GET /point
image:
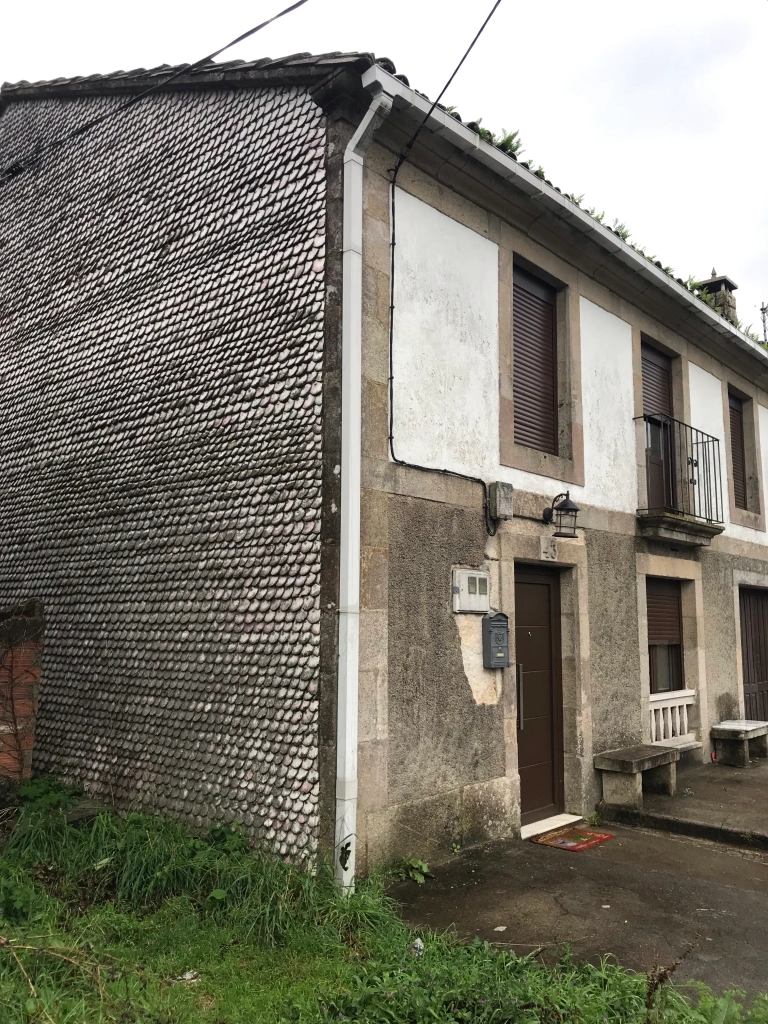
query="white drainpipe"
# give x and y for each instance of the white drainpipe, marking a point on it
(351, 402)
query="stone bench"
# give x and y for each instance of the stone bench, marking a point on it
(626, 772)
(735, 740)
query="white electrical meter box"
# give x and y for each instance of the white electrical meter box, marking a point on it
(471, 591)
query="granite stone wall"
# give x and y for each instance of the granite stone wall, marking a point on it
(161, 347)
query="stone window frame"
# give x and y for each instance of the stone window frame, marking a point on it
(688, 574)
(568, 464)
(752, 517)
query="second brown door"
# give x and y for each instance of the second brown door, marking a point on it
(754, 652)
(539, 693)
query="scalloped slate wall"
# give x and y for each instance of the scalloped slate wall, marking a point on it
(161, 352)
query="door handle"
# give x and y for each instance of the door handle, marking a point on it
(520, 716)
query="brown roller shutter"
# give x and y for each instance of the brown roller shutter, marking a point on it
(535, 363)
(664, 614)
(657, 382)
(736, 409)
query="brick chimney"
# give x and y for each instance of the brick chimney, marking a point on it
(721, 289)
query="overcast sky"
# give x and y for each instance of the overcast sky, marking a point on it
(655, 111)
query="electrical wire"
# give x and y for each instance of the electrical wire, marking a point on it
(24, 162)
(405, 152)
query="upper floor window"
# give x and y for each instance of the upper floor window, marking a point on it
(738, 454)
(534, 354)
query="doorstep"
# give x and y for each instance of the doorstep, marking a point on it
(538, 828)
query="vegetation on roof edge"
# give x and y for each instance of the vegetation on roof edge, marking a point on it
(511, 144)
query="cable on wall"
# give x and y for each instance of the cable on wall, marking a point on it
(490, 525)
(30, 159)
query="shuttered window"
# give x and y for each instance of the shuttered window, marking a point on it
(534, 362)
(738, 460)
(657, 382)
(665, 634)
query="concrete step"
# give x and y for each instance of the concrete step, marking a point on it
(756, 840)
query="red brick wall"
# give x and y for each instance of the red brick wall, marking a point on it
(19, 695)
(21, 654)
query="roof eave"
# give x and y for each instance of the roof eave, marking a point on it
(409, 102)
(299, 69)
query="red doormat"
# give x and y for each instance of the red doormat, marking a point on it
(573, 839)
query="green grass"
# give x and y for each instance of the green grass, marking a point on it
(100, 923)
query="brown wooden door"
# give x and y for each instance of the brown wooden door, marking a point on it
(539, 693)
(754, 652)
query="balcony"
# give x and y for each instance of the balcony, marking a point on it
(684, 484)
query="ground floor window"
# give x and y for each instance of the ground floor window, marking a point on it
(665, 634)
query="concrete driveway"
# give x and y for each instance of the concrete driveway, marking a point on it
(640, 896)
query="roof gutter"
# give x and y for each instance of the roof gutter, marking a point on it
(351, 450)
(416, 107)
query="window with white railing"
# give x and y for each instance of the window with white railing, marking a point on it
(670, 715)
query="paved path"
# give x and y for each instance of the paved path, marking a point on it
(641, 895)
(720, 796)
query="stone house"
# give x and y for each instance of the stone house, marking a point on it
(270, 517)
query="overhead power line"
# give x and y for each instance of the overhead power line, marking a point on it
(405, 152)
(31, 158)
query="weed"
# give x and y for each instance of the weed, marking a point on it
(510, 142)
(46, 793)
(177, 928)
(410, 867)
(594, 819)
(452, 982)
(455, 847)
(138, 861)
(656, 978)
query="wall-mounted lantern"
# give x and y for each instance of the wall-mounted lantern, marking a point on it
(563, 513)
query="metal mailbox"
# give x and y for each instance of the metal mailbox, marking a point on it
(495, 640)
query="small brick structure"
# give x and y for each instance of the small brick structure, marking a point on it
(22, 628)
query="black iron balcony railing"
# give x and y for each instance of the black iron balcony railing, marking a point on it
(683, 470)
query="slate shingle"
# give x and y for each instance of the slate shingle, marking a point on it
(161, 343)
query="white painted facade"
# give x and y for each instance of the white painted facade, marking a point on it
(707, 414)
(608, 404)
(446, 395)
(446, 365)
(446, 372)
